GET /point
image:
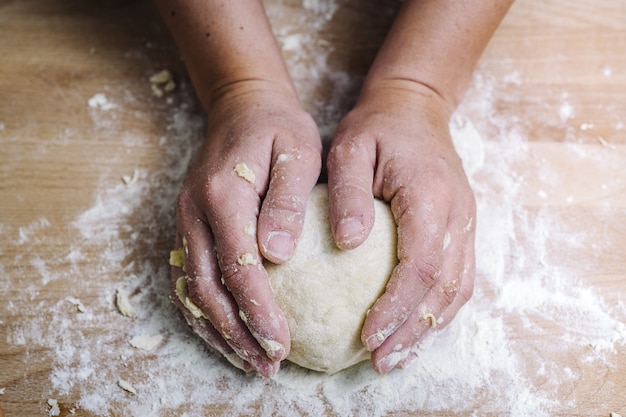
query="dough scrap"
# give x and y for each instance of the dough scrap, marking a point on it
(53, 409)
(246, 259)
(146, 342)
(162, 82)
(76, 302)
(183, 295)
(177, 258)
(123, 304)
(126, 386)
(326, 292)
(245, 172)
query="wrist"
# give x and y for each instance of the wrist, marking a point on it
(251, 99)
(234, 93)
(400, 96)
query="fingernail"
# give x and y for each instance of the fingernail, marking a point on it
(279, 246)
(264, 367)
(348, 230)
(390, 361)
(274, 350)
(374, 341)
(404, 363)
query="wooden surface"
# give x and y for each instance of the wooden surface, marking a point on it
(554, 75)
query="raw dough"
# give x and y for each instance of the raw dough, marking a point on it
(326, 292)
(126, 386)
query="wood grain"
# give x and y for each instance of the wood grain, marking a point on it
(552, 68)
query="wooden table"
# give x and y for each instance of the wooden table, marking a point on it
(91, 161)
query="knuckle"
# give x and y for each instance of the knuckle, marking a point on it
(401, 199)
(341, 149)
(427, 271)
(234, 277)
(449, 291)
(215, 188)
(311, 153)
(285, 208)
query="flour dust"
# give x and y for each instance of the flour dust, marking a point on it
(475, 365)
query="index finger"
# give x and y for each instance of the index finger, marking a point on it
(232, 206)
(421, 231)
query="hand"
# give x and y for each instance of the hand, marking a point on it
(250, 183)
(395, 145)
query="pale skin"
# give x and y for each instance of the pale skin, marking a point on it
(394, 144)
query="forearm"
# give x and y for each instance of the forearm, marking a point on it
(436, 44)
(224, 45)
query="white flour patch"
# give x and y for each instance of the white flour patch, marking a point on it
(101, 102)
(474, 366)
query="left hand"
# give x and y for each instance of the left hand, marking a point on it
(395, 145)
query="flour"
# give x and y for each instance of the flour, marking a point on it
(101, 102)
(474, 366)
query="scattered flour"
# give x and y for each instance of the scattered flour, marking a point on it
(54, 407)
(474, 367)
(101, 102)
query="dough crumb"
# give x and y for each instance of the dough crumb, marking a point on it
(244, 172)
(430, 317)
(177, 258)
(54, 407)
(250, 229)
(2, 391)
(615, 415)
(79, 306)
(122, 303)
(146, 342)
(271, 346)
(243, 316)
(246, 259)
(605, 143)
(161, 77)
(283, 157)
(162, 82)
(183, 296)
(126, 386)
(101, 102)
(129, 180)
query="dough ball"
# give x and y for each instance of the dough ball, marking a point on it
(325, 292)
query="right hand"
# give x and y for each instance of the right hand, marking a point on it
(227, 223)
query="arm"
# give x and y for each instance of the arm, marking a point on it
(225, 45)
(229, 219)
(395, 144)
(434, 45)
